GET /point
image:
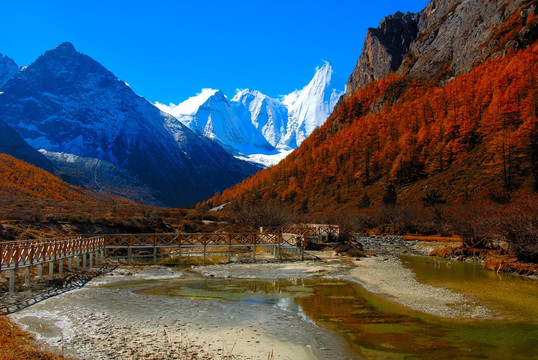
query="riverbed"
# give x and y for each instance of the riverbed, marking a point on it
(333, 308)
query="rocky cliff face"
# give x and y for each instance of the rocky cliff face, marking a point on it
(445, 39)
(384, 49)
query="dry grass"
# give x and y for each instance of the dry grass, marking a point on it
(16, 344)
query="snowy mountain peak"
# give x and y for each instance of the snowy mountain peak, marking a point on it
(324, 72)
(218, 96)
(253, 123)
(243, 93)
(309, 108)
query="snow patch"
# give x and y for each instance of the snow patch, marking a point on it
(189, 106)
(264, 159)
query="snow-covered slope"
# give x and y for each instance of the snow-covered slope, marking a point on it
(216, 118)
(310, 107)
(8, 68)
(269, 116)
(65, 102)
(256, 127)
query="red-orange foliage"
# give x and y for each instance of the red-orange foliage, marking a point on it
(21, 179)
(400, 131)
(15, 344)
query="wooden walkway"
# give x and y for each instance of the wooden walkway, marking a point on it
(90, 250)
(24, 254)
(131, 246)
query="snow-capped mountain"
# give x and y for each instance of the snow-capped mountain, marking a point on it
(269, 116)
(310, 107)
(66, 102)
(8, 68)
(256, 127)
(216, 118)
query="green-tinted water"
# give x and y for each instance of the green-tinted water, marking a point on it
(380, 329)
(511, 296)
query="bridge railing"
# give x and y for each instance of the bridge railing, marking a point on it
(197, 239)
(308, 230)
(15, 255)
(26, 253)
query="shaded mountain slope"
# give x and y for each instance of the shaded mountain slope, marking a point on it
(65, 102)
(8, 68)
(13, 144)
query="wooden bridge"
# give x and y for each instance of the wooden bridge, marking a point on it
(24, 254)
(89, 250)
(131, 246)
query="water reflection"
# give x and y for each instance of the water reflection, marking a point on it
(375, 327)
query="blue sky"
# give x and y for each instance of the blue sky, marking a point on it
(170, 50)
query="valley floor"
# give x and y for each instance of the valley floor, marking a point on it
(106, 320)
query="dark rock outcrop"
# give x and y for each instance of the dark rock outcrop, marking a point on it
(445, 39)
(8, 68)
(384, 49)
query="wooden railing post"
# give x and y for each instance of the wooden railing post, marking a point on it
(205, 247)
(229, 247)
(27, 277)
(12, 281)
(84, 260)
(303, 244)
(129, 249)
(280, 245)
(253, 241)
(179, 241)
(154, 249)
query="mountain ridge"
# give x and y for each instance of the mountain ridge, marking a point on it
(66, 102)
(255, 126)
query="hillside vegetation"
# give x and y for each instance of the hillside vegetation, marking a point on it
(20, 179)
(475, 137)
(37, 204)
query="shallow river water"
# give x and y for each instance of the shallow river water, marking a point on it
(335, 318)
